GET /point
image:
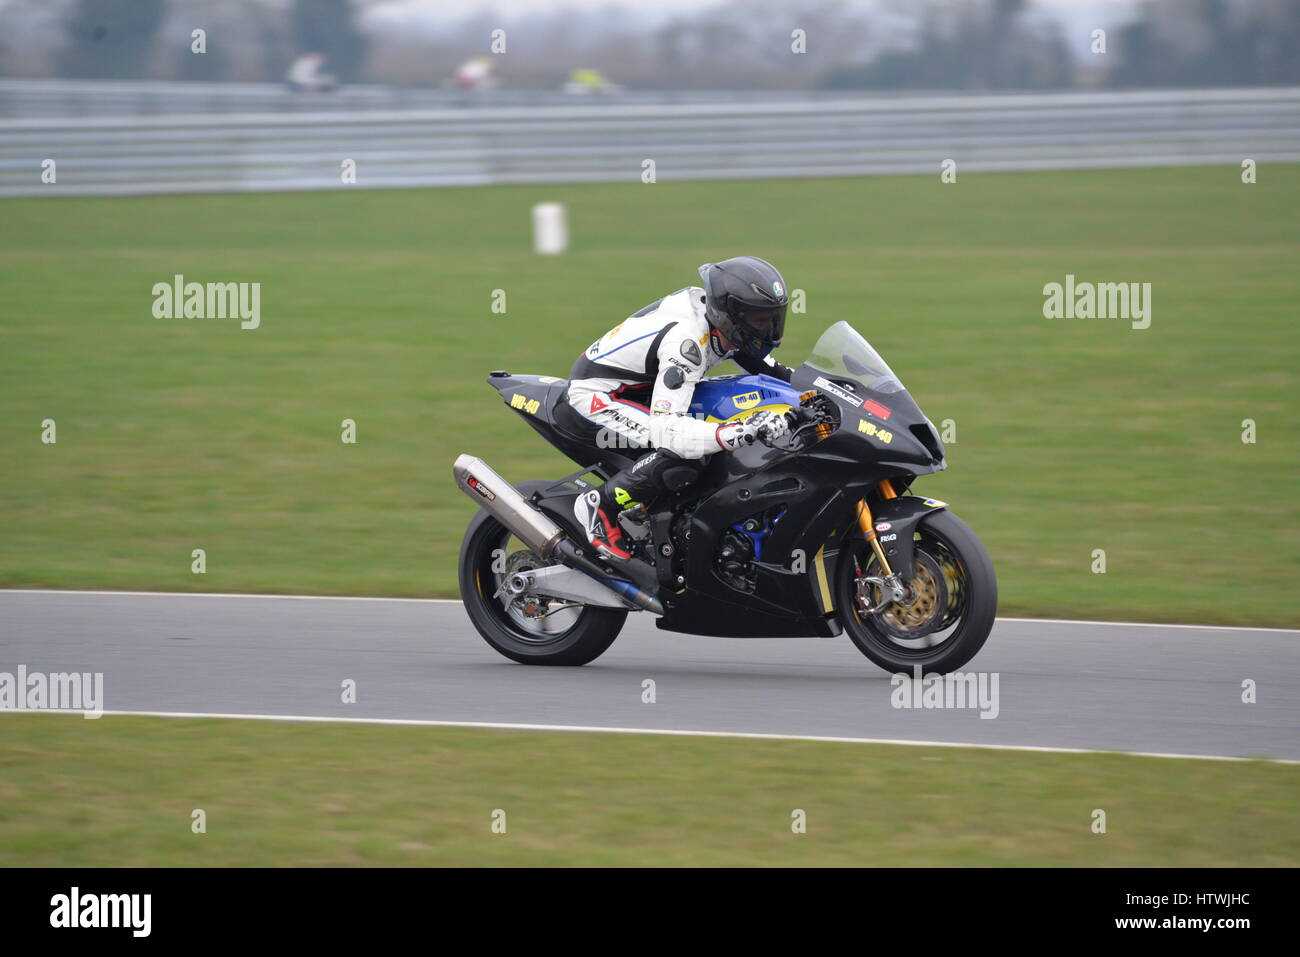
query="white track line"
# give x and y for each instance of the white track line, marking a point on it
(1149, 624)
(456, 601)
(747, 735)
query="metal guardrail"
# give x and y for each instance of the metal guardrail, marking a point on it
(776, 138)
(36, 99)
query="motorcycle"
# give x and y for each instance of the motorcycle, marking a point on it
(815, 534)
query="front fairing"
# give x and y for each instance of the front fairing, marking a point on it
(876, 412)
(887, 430)
(881, 428)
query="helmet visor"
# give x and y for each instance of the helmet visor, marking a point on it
(762, 325)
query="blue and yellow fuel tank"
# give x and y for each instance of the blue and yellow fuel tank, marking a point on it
(737, 396)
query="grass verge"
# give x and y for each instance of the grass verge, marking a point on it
(377, 306)
(121, 792)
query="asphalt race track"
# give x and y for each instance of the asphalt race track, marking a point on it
(1122, 687)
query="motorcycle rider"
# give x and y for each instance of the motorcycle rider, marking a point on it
(637, 380)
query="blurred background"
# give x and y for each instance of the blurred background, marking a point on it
(268, 94)
(921, 169)
(683, 45)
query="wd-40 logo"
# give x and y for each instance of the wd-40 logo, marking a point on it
(872, 429)
(747, 401)
(530, 406)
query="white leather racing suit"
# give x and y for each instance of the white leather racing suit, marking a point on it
(637, 380)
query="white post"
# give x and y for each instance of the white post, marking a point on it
(550, 228)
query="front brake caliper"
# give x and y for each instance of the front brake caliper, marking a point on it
(891, 588)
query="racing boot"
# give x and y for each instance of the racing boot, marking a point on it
(647, 478)
(597, 518)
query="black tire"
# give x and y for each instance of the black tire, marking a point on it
(970, 607)
(593, 631)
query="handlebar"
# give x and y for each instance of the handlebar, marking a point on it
(796, 417)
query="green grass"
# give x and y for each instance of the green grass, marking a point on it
(1072, 435)
(121, 792)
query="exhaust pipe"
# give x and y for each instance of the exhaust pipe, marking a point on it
(507, 506)
(535, 529)
(566, 552)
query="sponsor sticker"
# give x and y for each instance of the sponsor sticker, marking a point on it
(479, 487)
(691, 352)
(878, 410)
(616, 416)
(596, 404)
(747, 401)
(872, 429)
(663, 405)
(883, 526)
(827, 385)
(524, 403)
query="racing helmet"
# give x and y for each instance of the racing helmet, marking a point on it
(745, 299)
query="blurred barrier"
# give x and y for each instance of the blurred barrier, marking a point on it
(584, 143)
(54, 98)
(37, 99)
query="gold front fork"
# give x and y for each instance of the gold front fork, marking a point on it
(868, 524)
(868, 527)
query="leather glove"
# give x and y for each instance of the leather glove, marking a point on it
(764, 425)
(770, 425)
(732, 435)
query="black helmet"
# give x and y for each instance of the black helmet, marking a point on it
(745, 300)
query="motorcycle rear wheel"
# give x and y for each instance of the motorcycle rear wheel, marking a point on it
(579, 633)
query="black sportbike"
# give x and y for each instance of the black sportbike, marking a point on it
(812, 535)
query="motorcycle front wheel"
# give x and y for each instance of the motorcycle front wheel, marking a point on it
(952, 600)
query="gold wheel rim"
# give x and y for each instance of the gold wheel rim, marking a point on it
(920, 610)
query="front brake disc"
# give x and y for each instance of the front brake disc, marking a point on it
(926, 609)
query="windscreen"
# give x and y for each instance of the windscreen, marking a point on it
(843, 354)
